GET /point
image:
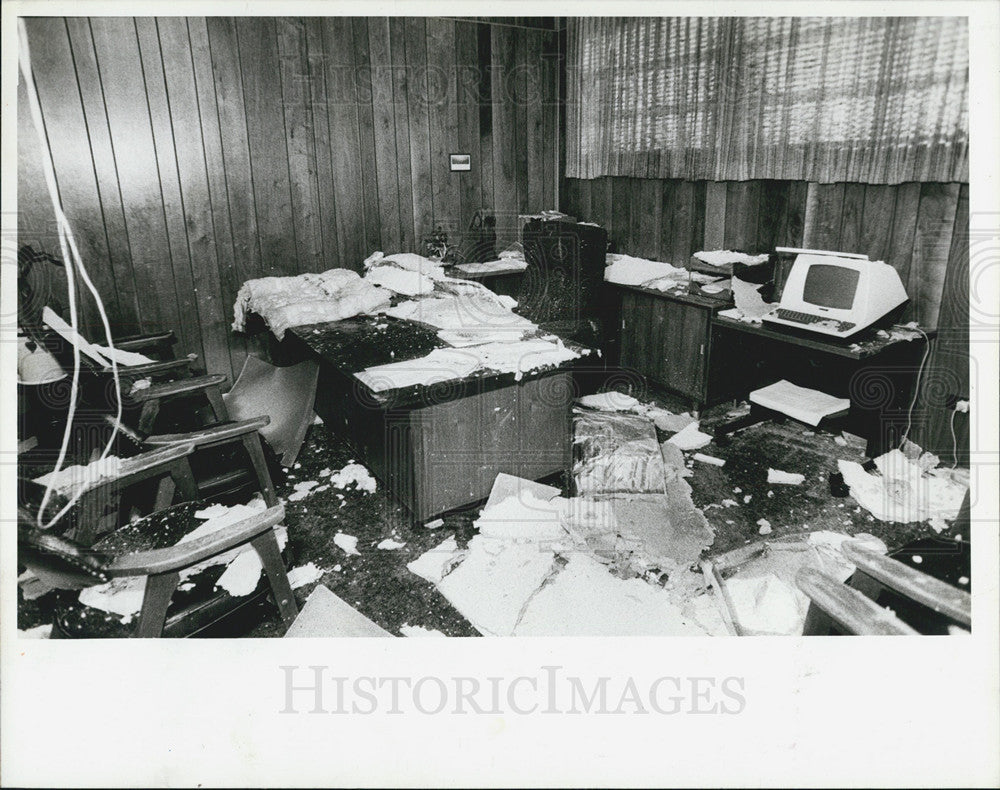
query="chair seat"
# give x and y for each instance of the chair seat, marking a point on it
(195, 605)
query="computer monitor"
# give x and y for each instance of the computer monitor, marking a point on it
(837, 294)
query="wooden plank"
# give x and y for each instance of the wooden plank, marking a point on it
(851, 222)
(342, 117)
(791, 225)
(504, 122)
(470, 184)
(259, 68)
(384, 129)
(518, 88)
(322, 143)
(300, 145)
(675, 222)
(600, 201)
(400, 119)
(195, 195)
(215, 169)
(715, 215)
(126, 311)
(647, 217)
(188, 328)
(549, 106)
(233, 183)
(935, 225)
(538, 197)
(484, 48)
(69, 147)
(116, 48)
(420, 136)
(742, 211)
(876, 222)
(773, 208)
(824, 210)
(366, 133)
(442, 94)
(621, 215)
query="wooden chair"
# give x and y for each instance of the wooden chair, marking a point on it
(859, 608)
(148, 548)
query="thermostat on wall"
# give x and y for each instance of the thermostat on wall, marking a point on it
(460, 161)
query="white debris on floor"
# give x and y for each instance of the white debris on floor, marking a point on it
(765, 526)
(608, 401)
(302, 490)
(304, 574)
(584, 599)
(434, 564)
(355, 474)
(690, 438)
(709, 459)
(38, 632)
(767, 605)
(907, 491)
(347, 543)
(390, 545)
(419, 631)
(778, 477)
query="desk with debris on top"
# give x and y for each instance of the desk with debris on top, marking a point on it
(439, 446)
(877, 372)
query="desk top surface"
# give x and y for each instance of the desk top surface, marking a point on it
(869, 343)
(356, 344)
(678, 294)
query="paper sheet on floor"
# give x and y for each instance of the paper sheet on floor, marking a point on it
(584, 599)
(616, 453)
(690, 438)
(801, 403)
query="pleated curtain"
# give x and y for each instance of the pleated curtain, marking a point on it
(876, 100)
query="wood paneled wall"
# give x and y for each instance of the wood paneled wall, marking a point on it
(194, 154)
(920, 229)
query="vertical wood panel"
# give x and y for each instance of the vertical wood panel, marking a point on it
(386, 175)
(935, 224)
(504, 120)
(366, 131)
(715, 215)
(852, 218)
(443, 92)
(875, 237)
(823, 215)
(420, 136)
(467, 70)
(296, 103)
(346, 153)
(742, 211)
(199, 232)
(215, 169)
(534, 170)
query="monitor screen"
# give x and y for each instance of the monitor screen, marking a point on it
(831, 286)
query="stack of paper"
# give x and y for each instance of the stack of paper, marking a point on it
(800, 403)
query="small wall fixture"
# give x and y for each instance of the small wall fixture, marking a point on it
(460, 161)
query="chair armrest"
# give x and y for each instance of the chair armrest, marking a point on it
(911, 583)
(171, 389)
(176, 558)
(849, 608)
(132, 372)
(149, 463)
(139, 342)
(211, 435)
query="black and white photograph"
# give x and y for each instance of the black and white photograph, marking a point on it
(640, 357)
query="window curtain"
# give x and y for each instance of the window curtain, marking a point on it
(865, 99)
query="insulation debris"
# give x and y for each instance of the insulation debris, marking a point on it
(390, 545)
(302, 490)
(347, 543)
(690, 438)
(668, 421)
(584, 599)
(765, 526)
(355, 474)
(304, 574)
(38, 632)
(767, 605)
(400, 281)
(903, 492)
(778, 477)
(419, 631)
(434, 524)
(609, 401)
(748, 301)
(709, 459)
(434, 564)
(71, 479)
(616, 453)
(628, 270)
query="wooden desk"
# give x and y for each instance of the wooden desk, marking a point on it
(438, 447)
(878, 374)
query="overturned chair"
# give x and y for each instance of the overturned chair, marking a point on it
(174, 578)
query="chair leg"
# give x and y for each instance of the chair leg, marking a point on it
(148, 415)
(159, 590)
(270, 557)
(218, 405)
(164, 493)
(184, 480)
(252, 444)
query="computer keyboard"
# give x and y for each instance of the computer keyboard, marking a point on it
(808, 318)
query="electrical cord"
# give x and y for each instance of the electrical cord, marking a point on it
(73, 265)
(916, 388)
